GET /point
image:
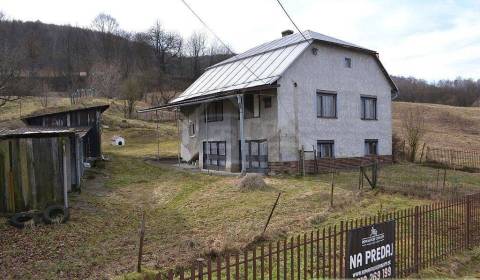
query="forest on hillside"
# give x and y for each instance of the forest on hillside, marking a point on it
(38, 59)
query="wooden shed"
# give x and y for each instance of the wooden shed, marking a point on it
(37, 167)
(78, 116)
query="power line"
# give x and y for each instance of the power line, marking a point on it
(206, 26)
(291, 20)
(217, 37)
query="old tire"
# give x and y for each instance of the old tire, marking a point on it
(20, 220)
(56, 214)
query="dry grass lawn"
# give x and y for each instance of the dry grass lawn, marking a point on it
(188, 214)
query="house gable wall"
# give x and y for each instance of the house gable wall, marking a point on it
(297, 118)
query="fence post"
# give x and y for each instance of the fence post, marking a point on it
(416, 241)
(468, 219)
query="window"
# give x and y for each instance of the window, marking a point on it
(214, 155)
(369, 108)
(371, 147)
(325, 149)
(267, 102)
(348, 62)
(215, 111)
(191, 128)
(252, 106)
(326, 105)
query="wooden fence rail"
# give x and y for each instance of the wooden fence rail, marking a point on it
(424, 235)
(453, 158)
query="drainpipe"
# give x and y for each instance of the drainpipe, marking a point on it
(242, 136)
(206, 134)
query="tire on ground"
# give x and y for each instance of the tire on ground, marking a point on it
(55, 214)
(20, 220)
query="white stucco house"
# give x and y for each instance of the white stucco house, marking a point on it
(310, 92)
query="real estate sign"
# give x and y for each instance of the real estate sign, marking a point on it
(371, 252)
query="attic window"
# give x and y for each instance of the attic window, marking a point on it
(348, 62)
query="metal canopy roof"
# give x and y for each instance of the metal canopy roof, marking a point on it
(258, 67)
(30, 131)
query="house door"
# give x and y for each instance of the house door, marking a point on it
(214, 155)
(256, 155)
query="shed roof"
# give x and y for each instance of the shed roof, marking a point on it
(260, 66)
(30, 131)
(65, 109)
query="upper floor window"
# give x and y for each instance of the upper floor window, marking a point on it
(369, 108)
(267, 102)
(326, 105)
(325, 148)
(371, 147)
(191, 128)
(215, 111)
(252, 106)
(348, 62)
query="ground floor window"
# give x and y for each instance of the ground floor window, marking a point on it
(371, 147)
(256, 152)
(214, 155)
(325, 149)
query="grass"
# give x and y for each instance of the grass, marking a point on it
(463, 265)
(187, 214)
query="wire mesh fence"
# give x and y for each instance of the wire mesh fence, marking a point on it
(453, 158)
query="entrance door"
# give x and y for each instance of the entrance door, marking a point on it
(256, 155)
(214, 155)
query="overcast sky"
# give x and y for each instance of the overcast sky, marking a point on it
(427, 39)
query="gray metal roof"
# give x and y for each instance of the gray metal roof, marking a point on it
(262, 68)
(31, 131)
(259, 66)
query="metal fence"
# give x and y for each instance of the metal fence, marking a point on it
(424, 235)
(453, 158)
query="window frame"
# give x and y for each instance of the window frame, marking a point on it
(191, 124)
(363, 103)
(348, 62)
(369, 142)
(320, 113)
(267, 102)
(329, 142)
(218, 115)
(250, 114)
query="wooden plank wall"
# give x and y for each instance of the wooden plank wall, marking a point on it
(37, 173)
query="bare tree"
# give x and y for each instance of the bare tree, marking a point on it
(2, 16)
(164, 43)
(9, 74)
(108, 28)
(105, 79)
(105, 23)
(413, 125)
(132, 91)
(196, 46)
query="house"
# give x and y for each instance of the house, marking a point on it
(302, 91)
(78, 116)
(37, 167)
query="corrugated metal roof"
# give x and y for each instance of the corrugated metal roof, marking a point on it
(254, 70)
(37, 131)
(259, 66)
(290, 40)
(65, 109)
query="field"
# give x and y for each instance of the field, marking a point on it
(195, 214)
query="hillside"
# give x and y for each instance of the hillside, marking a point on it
(447, 126)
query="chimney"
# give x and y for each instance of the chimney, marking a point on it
(287, 32)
